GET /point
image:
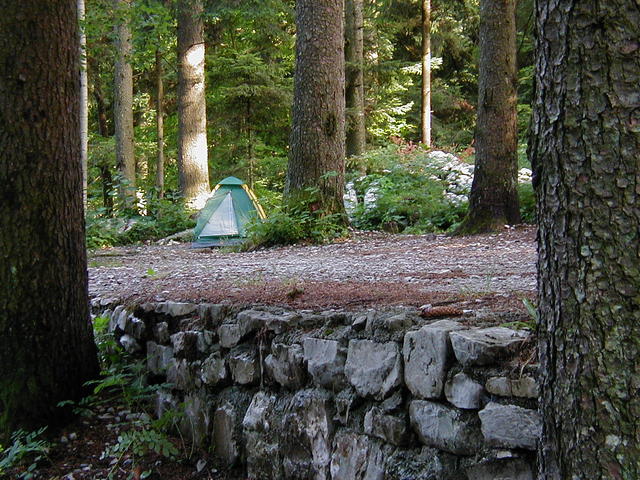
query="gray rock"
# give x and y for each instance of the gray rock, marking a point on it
(427, 357)
(212, 314)
(345, 402)
(251, 320)
(307, 435)
(230, 335)
(226, 446)
(177, 309)
(165, 402)
(285, 365)
(115, 317)
(390, 428)
(507, 469)
(421, 464)
(161, 332)
(486, 346)
(244, 365)
(158, 358)
(183, 375)
(401, 321)
(523, 387)
(510, 426)
(325, 362)
(185, 345)
(260, 430)
(445, 428)
(136, 328)
(356, 457)
(394, 402)
(195, 423)
(130, 344)
(464, 392)
(374, 369)
(214, 369)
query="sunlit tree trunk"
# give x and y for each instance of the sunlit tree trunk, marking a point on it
(354, 77)
(192, 142)
(46, 343)
(585, 151)
(123, 108)
(318, 135)
(493, 201)
(159, 126)
(84, 103)
(425, 109)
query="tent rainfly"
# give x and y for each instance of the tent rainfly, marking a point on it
(224, 218)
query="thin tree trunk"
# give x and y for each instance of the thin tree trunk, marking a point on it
(123, 108)
(585, 150)
(103, 130)
(84, 103)
(425, 110)
(159, 125)
(493, 201)
(192, 142)
(46, 343)
(354, 77)
(318, 135)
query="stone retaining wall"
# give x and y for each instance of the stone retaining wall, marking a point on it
(279, 394)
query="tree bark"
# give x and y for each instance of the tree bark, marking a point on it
(159, 126)
(354, 77)
(318, 135)
(84, 103)
(123, 107)
(46, 344)
(103, 130)
(584, 149)
(425, 110)
(192, 117)
(493, 201)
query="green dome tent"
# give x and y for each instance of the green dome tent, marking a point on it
(224, 218)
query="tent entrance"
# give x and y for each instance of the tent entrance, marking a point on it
(223, 221)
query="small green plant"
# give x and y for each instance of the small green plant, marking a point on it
(25, 450)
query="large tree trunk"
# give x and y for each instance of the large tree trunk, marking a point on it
(585, 150)
(159, 126)
(46, 345)
(123, 108)
(84, 103)
(354, 77)
(425, 107)
(318, 134)
(192, 116)
(103, 130)
(493, 201)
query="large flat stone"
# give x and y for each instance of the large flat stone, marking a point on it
(244, 365)
(374, 369)
(523, 387)
(427, 358)
(214, 369)
(356, 457)
(445, 428)
(158, 358)
(390, 428)
(285, 365)
(510, 426)
(486, 346)
(464, 392)
(325, 362)
(226, 445)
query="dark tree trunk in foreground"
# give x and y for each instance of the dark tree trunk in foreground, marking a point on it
(46, 344)
(425, 108)
(123, 108)
(318, 136)
(585, 151)
(493, 201)
(354, 77)
(192, 116)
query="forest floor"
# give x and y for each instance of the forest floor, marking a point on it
(490, 273)
(366, 270)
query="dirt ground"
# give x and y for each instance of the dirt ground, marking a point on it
(369, 269)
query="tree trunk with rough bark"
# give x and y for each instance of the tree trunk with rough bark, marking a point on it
(159, 126)
(354, 77)
(123, 107)
(585, 151)
(425, 109)
(84, 102)
(318, 136)
(493, 201)
(46, 342)
(192, 117)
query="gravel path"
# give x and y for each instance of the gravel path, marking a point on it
(370, 268)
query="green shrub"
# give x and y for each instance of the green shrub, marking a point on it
(527, 203)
